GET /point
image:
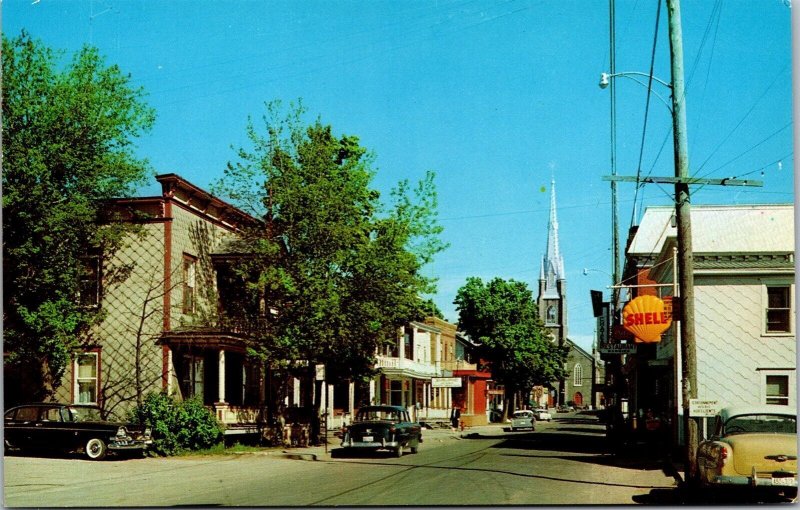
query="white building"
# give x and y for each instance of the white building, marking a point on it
(744, 306)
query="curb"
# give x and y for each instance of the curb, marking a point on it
(300, 456)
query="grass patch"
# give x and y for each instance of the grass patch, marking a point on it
(221, 449)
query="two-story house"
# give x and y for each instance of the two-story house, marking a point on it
(161, 326)
(744, 308)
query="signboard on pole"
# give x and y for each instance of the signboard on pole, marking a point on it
(703, 408)
(445, 382)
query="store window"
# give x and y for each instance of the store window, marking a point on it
(86, 377)
(778, 311)
(396, 393)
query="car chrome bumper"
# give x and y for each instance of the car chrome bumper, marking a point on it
(129, 445)
(788, 481)
(370, 444)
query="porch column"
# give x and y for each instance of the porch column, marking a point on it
(170, 372)
(351, 396)
(221, 381)
(372, 391)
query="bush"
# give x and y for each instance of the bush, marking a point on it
(177, 425)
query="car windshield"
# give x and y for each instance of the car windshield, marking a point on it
(82, 413)
(761, 423)
(378, 414)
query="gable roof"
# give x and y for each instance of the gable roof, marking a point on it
(720, 229)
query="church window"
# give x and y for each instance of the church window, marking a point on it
(551, 314)
(578, 375)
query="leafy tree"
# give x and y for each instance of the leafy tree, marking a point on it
(339, 270)
(67, 133)
(502, 317)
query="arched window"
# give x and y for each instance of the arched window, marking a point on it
(551, 314)
(577, 375)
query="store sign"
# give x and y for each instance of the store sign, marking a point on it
(646, 317)
(445, 382)
(617, 349)
(703, 408)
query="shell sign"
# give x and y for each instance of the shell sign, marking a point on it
(646, 317)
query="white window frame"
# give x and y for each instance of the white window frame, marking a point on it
(577, 375)
(77, 379)
(765, 284)
(791, 376)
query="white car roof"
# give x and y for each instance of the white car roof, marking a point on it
(728, 412)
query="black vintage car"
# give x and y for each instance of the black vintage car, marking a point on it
(70, 428)
(383, 427)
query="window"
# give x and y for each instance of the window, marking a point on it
(189, 281)
(551, 314)
(396, 393)
(577, 375)
(86, 372)
(89, 284)
(778, 309)
(193, 376)
(408, 345)
(778, 389)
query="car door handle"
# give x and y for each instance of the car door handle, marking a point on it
(38, 424)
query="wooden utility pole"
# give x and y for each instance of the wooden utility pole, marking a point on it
(684, 223)
(682, 181)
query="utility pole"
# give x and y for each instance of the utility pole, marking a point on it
(615, 280)
(682, 181)
(684, 224)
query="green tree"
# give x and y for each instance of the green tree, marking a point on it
(502, 317)
(339, 269)
(67, 131)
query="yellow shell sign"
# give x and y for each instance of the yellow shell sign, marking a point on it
(646, 317)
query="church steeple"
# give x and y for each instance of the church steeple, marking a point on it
(552, 263)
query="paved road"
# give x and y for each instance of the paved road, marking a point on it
(562, 462)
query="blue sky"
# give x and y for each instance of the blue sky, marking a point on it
(495, 97)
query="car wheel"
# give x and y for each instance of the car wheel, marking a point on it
(398, 452)
(96, 449)
(414, 449)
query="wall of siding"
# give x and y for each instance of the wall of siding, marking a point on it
(732, 351)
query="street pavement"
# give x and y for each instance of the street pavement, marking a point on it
(564, 462)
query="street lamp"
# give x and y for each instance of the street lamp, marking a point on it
(605, 81)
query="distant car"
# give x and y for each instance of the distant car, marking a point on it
(542, 414)
(67, 427)
(383, 428)
(753, 446)
(523, 420)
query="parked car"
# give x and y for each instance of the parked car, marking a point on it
(753, 446)
(542, 414)
(66, 427)
(383, 428)
(523, 419)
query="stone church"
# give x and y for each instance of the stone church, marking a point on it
(577, 389)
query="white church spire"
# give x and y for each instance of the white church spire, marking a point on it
(552, 263)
